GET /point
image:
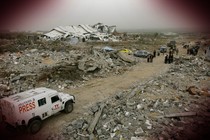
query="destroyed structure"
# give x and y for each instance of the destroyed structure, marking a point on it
(98, 31)
(162, 107)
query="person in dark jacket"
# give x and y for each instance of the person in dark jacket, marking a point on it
(148, 58)
(151, 58)
(188, 51)
(166, 59)
(158, 53)
(154, 53)
(172, 58)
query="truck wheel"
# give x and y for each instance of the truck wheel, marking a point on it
(34, 126)
(69, 107)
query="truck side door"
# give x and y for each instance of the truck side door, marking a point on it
(43, 110)
(55, 104)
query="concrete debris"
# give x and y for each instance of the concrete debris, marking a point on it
(63, 69)
(149, 125)
(152, 114)
(4, 87)
(88, 65)
(73, 41)
(138, 138)
(5, 90)
(95, 108)
(22, 76)
(95, 121)
(193, 90)
(139, 132)
(145, 111)
(126, 57)
(139, 106)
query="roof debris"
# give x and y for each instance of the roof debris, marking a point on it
(83, 32)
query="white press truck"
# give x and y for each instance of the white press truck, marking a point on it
(30, 107)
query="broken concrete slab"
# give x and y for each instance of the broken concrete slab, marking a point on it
(126, 57)
(88, 65)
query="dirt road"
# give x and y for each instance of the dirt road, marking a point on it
(99, 89)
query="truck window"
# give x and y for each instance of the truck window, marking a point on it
(54, 98)
(42, 101)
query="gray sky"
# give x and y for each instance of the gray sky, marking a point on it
(128, 14)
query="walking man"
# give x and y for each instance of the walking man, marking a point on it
(151, 58)
(154, 53)
(148, 58)
(166, 59)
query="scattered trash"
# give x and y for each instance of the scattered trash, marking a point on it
(108, 49)
(126, 51)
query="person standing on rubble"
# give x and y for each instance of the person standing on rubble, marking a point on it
(169, 58)
(158, 53)
(170, 52)
(148, 58)
(154, 53)
(166, 59)
(151, 58)
(188, 51)
(172, 58)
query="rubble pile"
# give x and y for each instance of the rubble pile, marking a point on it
(56, 69)
(160, 108)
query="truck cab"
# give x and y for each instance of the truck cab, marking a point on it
(30, 107)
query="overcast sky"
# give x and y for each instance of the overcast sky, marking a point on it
(125, 14)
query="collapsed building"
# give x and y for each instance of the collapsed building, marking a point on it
(98, 31)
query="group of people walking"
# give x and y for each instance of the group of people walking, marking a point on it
(150, 56)
(169, 58)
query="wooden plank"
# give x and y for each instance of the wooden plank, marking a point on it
(95, 120)
(184, 114)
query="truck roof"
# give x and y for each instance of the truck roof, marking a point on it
(29, 93)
